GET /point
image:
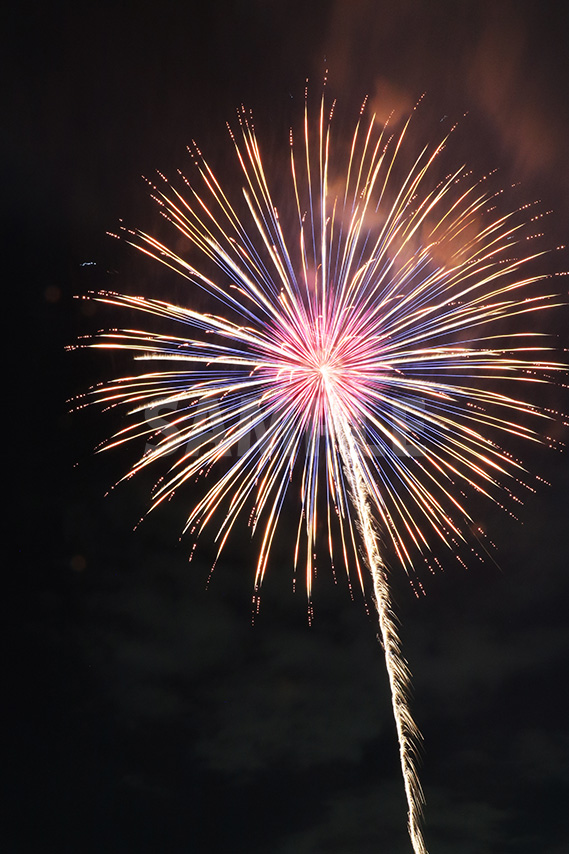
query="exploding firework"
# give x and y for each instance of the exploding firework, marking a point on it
(365, 352)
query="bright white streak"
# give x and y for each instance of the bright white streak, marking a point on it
(408, 734)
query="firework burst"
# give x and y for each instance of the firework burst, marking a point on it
(363, 353)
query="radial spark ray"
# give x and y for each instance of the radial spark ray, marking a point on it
(368, 350)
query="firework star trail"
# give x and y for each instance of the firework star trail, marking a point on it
(397, 670)
(370, 351)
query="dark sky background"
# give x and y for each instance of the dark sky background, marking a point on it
(150, 716)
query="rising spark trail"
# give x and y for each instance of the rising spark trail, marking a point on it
(398, 673)
(374, 346)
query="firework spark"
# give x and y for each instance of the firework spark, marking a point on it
(365, 350)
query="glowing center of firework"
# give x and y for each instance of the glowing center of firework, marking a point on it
(325, 372)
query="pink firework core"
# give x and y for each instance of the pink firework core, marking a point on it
(328, 367)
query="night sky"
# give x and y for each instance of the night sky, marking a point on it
(149, 714)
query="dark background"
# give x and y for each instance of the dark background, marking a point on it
(150, 715)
